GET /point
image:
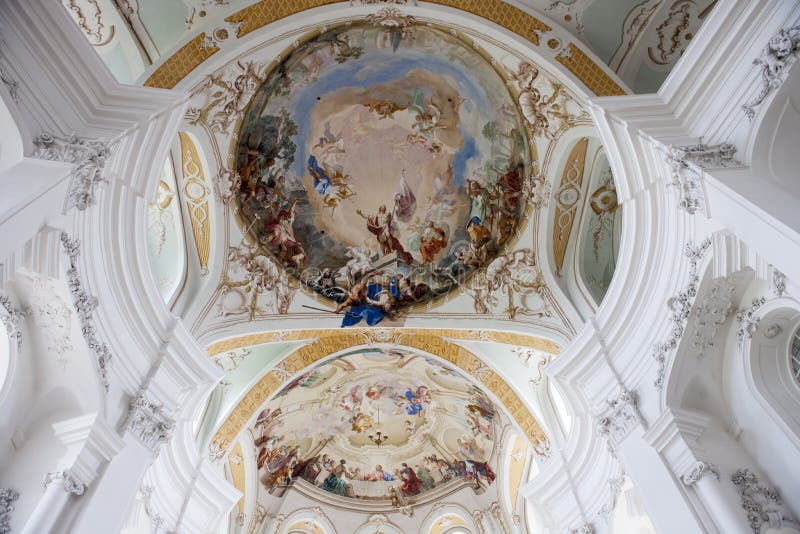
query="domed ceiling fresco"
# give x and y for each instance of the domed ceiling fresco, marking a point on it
(382, 165)
(377, 423)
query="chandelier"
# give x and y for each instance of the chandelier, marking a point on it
(378, 438)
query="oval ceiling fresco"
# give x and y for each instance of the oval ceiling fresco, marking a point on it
(383, 423)
(382, 163)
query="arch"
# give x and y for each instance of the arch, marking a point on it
(447, 517)
(328, 343)
(767, 365)
(518, 22)
(167, 251)
(380, 523)
(307, 521)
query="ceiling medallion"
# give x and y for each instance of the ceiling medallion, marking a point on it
(382, 164)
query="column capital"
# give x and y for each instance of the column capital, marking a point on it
(69, 481)
(149, 422)
(698, 471)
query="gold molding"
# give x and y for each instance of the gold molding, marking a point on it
(567, 198)
(237, 473)
(330, 341)
(176, 67)
(376, 335)
(195, 192)
(181, 63)
(589, 72)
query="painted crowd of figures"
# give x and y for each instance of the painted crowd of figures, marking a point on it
(413, 246)
(284, 466)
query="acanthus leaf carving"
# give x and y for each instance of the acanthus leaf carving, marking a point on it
(545, 115)
(698, 471)
(88, 157)
(680, 307)
(51, 313)
(621, 416)
(227, 183)
(686, 166)
(94, 31)
(149, 422)
(85, 305)
(70, 482)
(777, 55)
(227, 99)
(261, 276)
(586, 528)
(515, 274)
(12, 319)
(711, 312)
(748, 320)
(8, 497)
(777, 282)
(615, 488)
(761, 503)
(146, 496)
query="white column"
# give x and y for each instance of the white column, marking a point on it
(662, 492)
(703, 456)
(61, 489)
(106, 508)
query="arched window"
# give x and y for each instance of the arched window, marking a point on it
(794, 357)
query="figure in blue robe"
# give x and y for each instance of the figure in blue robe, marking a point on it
(414, 406)
(322, 183)
(369, 312)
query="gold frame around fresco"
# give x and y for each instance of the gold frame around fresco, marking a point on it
(326, 342)
(180, 64)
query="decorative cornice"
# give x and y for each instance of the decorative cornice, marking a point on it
(69, 481)
(148, 422)
(686, 164)
(85, 305)
(622, 415)
(780, 52)
(697, 471)
(88, 156)
(748, 320)
(680, 307)
(7, 498)
(762, 504)
(12, 319)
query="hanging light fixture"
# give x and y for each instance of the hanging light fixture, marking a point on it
(378, 438)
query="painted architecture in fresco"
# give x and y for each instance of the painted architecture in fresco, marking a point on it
(385, 423)
(382, 167)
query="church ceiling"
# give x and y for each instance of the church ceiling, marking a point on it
(374, 419)
(639, 40)
(386, 163)
(380, 170)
